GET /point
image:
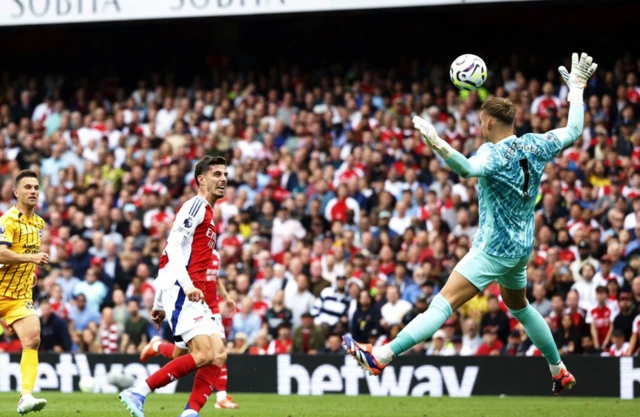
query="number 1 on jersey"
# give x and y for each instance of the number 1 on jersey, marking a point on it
(524, 164)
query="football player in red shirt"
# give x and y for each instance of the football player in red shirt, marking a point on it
(180, 287)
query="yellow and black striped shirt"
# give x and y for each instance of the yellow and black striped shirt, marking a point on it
(23, 235)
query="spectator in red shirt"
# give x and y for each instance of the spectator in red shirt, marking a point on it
(541, 105)
(576, 313)
(600, 319)
(337, 207)
(261, 344)
(490, 346)
(9, 342)
(618, 346)
(283, 343)
(260, 305)
(567, 253)
(387, 265)
(557, 310)
(230, 244)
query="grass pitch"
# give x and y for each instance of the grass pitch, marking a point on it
(103, 405)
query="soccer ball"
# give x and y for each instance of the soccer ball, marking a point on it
(86, 384)
(120, 380)
(468, 72)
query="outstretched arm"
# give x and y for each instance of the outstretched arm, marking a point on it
(581, 70)
(462, 166)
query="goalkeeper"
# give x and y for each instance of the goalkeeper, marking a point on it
(508, 169)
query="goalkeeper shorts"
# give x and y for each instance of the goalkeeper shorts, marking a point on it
(481, 269)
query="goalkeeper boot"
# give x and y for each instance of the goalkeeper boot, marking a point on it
(362, 353)
(563, 381)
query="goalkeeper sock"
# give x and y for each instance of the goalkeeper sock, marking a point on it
(419, 329)
(539, 333)
(556, 369)
(28, 370)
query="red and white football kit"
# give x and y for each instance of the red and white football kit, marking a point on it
(184, 263)
(602, 318)
(617, 352)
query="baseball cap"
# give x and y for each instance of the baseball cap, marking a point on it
(356, 281)
(456, 338)
(97, 261)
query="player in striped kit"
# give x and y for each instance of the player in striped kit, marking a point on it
(171, 351)
(509, 171)
(180, 288)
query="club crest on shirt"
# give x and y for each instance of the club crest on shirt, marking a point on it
(2, 229)
(187, 223)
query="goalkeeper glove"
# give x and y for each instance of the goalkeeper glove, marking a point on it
(581, 70)
(430, 136)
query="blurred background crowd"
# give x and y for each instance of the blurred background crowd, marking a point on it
(337, 218)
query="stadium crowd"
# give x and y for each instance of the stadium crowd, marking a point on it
(337, 218)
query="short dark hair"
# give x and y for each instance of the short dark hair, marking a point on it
(601, 289)
(27, 173)
(208, 161)
(500, 109)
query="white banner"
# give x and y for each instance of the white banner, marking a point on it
(38, 12)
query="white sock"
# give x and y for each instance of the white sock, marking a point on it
(142, 389)
(221, 395)
(155, 346)
(555, 369)
(383, 354)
